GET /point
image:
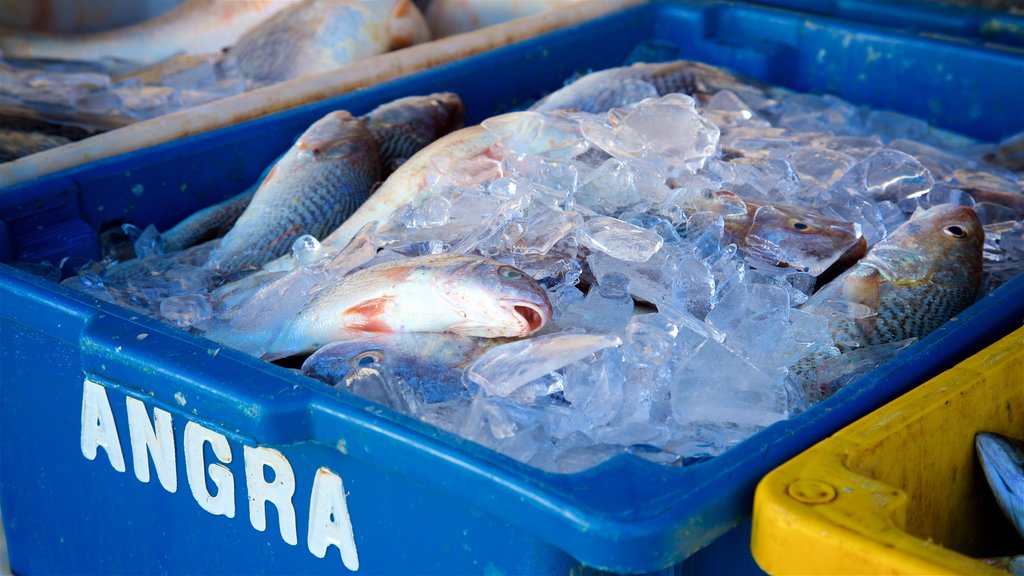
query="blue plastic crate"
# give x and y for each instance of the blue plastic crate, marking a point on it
(395, 495)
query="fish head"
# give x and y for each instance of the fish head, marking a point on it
(336, 136)
(942, 245)
(796, 238)
(496, 300)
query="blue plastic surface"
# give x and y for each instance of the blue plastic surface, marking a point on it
(420, 500)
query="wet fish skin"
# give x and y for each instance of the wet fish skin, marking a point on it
(314, 187)
(194, 27)
(1002, 461)
(17, 143)
(399, 129)
(405, 126)
(461, 294)
(431, 363)
(913, 281)
(209, 223)
(411, 182)
(319, 35)
(450, 17)
(782, 234)
(598, 92)
(921, 275)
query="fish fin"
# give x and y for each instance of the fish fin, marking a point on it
(368, 315)
(863, 287)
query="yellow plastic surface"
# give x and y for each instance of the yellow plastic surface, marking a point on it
(900, 491)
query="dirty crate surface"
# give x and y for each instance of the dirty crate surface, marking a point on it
(201, 459)
(900, 491)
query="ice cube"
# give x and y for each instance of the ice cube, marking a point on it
(502, 369)
(186, 309)
(620, 239)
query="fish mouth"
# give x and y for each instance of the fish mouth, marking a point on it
(531, 316)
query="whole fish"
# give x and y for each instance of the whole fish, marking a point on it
(461, 294)
(326, 175)
(413, 181)
(781, 234)
(913, 281)
(194, 27)
(1002, 461)
(320, 35)
(431, 363)
(399, 129)
(599, 92)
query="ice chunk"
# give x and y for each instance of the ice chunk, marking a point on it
(888, 175)
(504, 368)
(715, 385)
(669, 132)
(606, 308)
(620, 239)
(186, 309)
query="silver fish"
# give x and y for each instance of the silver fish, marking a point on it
(399, 128)
(1002, 461)
(599, 92)
(325, 176)
(433, 364)
(319, 35)
(194, 27)
(462, 294)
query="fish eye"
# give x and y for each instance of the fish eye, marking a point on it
(509, 273)
(800, 226)
(955, 231)
(368, 358)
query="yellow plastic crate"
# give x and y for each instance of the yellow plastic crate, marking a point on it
(900, 491)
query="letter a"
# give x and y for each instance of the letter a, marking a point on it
(98, 428)
(329, 521)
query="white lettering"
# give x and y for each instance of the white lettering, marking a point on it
(98, 428)
(157, 441)
(329, 521)
(196, 436)
(279, 490)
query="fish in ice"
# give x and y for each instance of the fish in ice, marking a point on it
(431, 363)
(314, 36)
(461, 294)
(414, 181)
(910, 283)
(399, 129)
(781, 234)
(1002, 461)
(326, 175)
(599, 92)
(194, 27)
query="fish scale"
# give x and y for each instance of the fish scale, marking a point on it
(311, 190)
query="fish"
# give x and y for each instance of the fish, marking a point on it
(431, 363)
(599, 92)
(194, 27)
(450, 17)
(318, 182)
(399, 128)
(1009, 154)
(781, 234)
(314, 36)
(910, 283)
(413, 181)
(462, 294)
(1002, 461)
(405, 126)
(17, 143)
